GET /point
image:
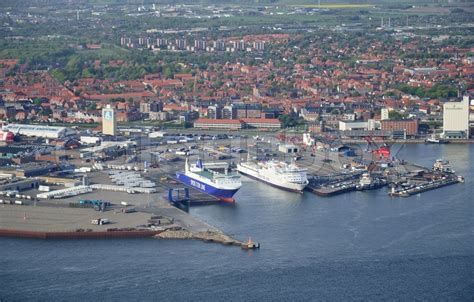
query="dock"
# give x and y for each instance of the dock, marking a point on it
(423, 187)
(331, 190)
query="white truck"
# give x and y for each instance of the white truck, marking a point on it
(100, 221)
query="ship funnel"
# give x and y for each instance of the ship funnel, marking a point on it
(199, 164)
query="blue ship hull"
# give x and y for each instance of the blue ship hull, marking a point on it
(222, 194)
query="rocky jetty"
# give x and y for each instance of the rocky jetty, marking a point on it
(207, 236)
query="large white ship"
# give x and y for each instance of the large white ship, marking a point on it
(215, 179)
(279, 174)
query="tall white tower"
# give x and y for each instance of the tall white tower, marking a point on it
(109, 121)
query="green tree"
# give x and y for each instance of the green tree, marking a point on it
(37, 101)
(395, 115)
(58, 75)
(168, 73)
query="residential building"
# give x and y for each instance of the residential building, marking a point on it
(156, 106)
(214, 112)
(159, 116)
(384, 114)
(229, 112)
(145, 107)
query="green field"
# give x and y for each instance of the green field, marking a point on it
(334, 6)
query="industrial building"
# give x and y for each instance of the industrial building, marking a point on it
(39, 130)
(404, 127)
(104, 147)
(288, 148)
(35, 169)
(350, 126)
(18, 184)
(456, 119)
(205, 123)
(30, 169)
(262, 123)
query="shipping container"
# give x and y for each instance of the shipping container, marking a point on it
(128, 210)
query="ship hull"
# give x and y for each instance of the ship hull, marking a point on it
(373, 186)
(436, 141)
(225, 195)
(295, 190)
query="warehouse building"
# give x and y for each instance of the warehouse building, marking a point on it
(19, 184)
(205, 123)
(262, 123)
(351, 126)
(39, 130)
(456, 119)
(409, 128)
(259, 123)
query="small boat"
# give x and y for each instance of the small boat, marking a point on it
(250, 245)
(436, 140)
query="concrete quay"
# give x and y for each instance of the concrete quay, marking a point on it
(63, 222)
(55, 219)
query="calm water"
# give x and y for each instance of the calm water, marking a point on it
(358, 246)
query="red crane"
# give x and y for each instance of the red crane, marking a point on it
(380, 152)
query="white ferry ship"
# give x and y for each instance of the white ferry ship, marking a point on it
(276, 173)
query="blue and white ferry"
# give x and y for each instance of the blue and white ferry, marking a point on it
(215, 179)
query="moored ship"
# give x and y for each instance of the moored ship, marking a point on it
(279, 174)
(443, 166)
(215, 179)
(436, 140)
(367, 182)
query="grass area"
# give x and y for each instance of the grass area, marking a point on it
(79, 125)
(334, 6)
(108, 51)
(141, 123)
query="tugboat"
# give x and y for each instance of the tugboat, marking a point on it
(436, 140)
(368, 183)
(250, 245)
